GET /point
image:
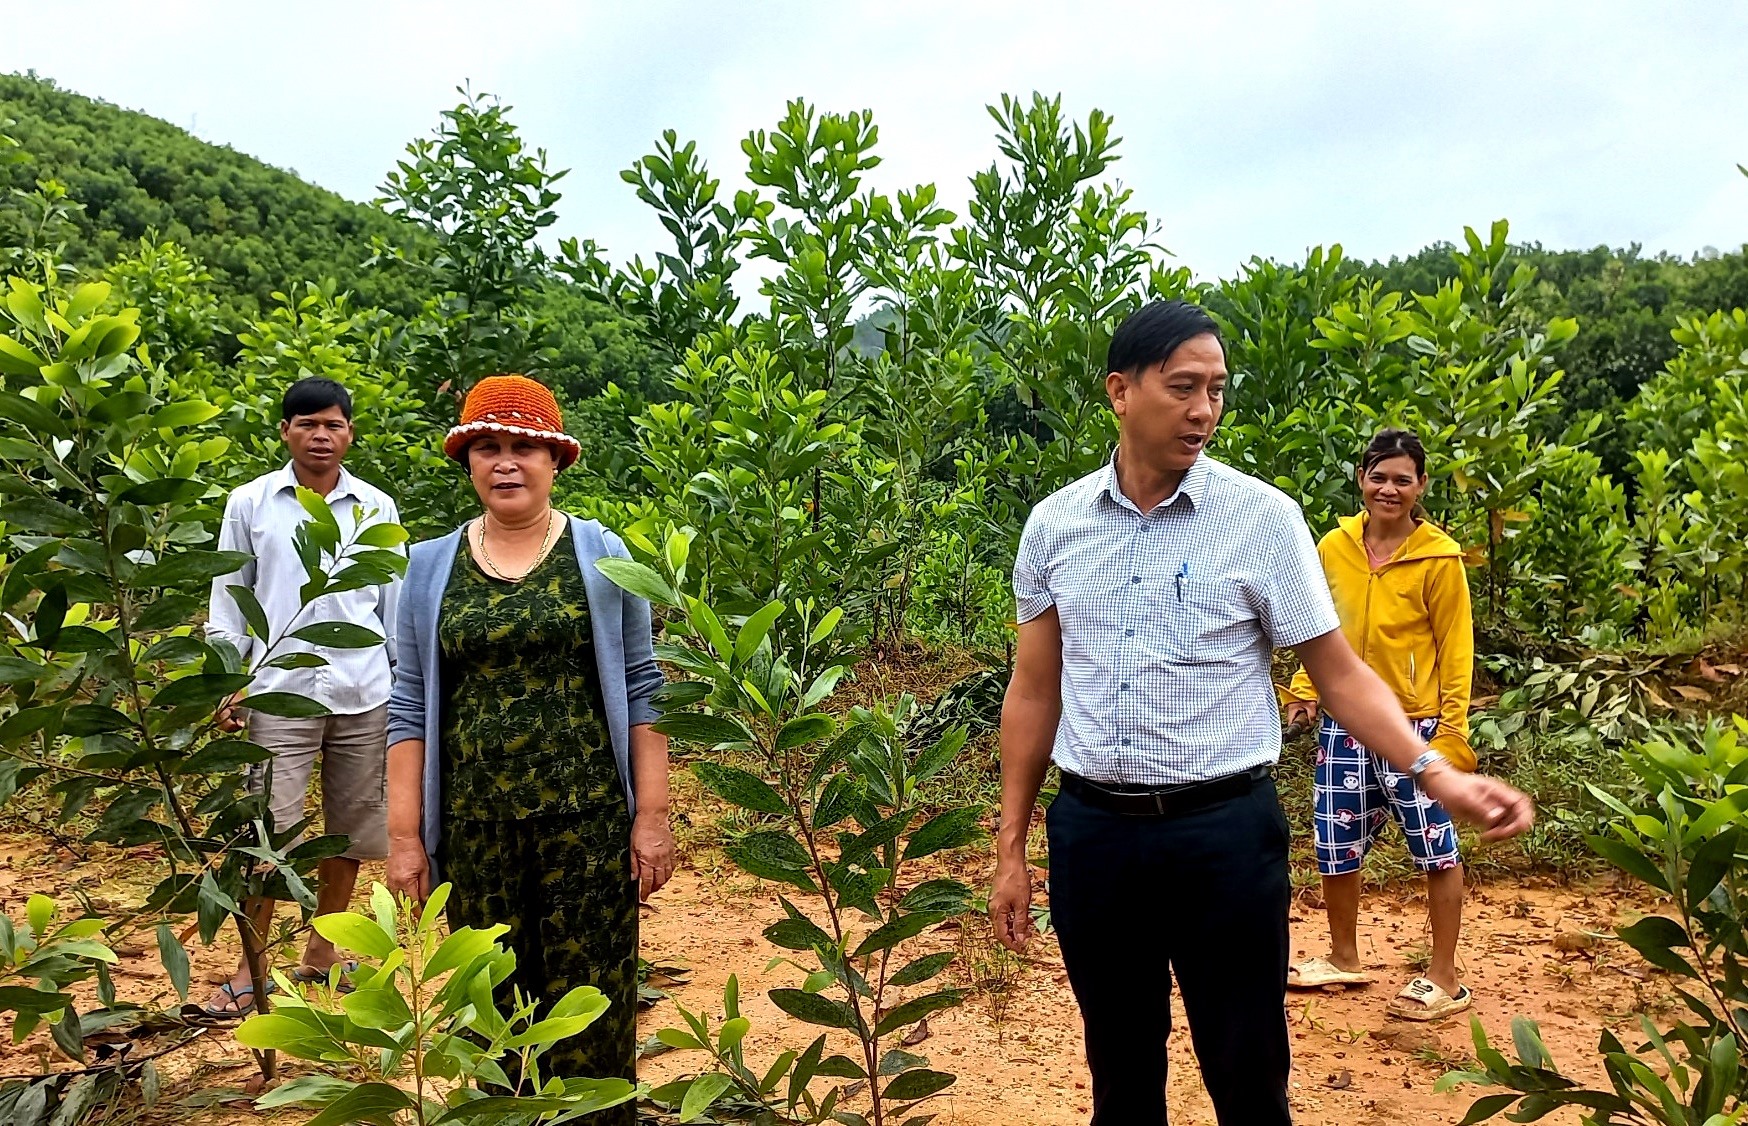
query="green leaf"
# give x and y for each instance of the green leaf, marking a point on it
(842, 1067)
(702, 1095)
(222, 756)
(912, 1011)
(1527, 1038)
(949, 897)
(187, 567)
(952, 829)
(39, 911)
(305, 1090)
(1654, 937)
(461, 948)
(31, 416)
(382, 536)
(16, 670)
(922, 969)
(375, 1103)
(1488, 1106)
(919, 1084)
(703, 728)
(382, 1008)
(1629, 859)
(93, 719)
(203, 690)
(732, 1033)
(638, 579)
(253, 613)
(1711, 862)
(189, 412)
(772, 855)
(813, 1008)
(286, 705)
(796, 934)
(739, 787)
(806, 729)
(163, 490)
(679, 1039)
(175, 959)
(41, 1002)
(49, 517)
(297, 661)
(826, 624)
(754, 631)
(338, 635)
(354, 932)
(896, 931)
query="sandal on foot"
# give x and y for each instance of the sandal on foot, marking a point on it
(309, 975)
(1422, 999)
(1321, 973)
(242, 997)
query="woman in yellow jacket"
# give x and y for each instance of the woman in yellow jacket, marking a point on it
(1403, 597)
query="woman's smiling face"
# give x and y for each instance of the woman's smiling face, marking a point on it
(512, 475)
(1391, 487)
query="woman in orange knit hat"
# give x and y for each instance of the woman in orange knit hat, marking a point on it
(523, 769)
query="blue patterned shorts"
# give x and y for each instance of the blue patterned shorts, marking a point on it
(1356, 791)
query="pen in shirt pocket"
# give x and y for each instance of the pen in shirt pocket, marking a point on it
(1183, 572)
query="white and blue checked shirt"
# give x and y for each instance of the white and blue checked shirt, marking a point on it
(1168, 620)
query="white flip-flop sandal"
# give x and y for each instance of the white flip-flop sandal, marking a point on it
(1422, 999)
(1321, 973)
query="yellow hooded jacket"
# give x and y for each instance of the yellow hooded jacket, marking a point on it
(1410, 621)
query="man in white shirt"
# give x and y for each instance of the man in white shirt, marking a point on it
(1150, 596)
(261, 518)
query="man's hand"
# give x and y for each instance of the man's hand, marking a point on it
(652, 852)
(229, 721)
(1010, 905)
(1498, 809)
(409, 870)
(1301, 713)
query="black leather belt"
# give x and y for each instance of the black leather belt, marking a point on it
(1161, 801)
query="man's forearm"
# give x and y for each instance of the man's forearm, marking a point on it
(1364, 705)
(406, 789)
(1028, 729)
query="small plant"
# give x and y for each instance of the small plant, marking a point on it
(424, 1009)
(842, 820)
(38, 961)
(1686, 835)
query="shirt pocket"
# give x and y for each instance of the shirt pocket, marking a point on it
(1215, 622)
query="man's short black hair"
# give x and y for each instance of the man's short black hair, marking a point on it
(1150, 334)
(312, 396)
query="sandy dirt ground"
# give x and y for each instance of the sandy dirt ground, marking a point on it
(1015, 1044)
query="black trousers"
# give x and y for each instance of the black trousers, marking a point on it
(1202, 895)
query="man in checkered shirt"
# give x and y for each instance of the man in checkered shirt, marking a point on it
(1151, 594)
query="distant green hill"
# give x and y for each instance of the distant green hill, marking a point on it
(255, 227)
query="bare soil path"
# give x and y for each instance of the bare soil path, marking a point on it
(1015, 1045)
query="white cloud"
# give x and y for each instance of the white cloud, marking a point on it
(1249, 128)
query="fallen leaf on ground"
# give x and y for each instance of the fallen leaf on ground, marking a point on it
(918, 1034)
(1340, 1081)
(1690, 692)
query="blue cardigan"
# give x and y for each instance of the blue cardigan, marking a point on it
(624, 653)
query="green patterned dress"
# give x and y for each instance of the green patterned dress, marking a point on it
(537, 834)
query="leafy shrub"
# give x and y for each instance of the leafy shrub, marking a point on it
(1685, 834)
(423, 1008)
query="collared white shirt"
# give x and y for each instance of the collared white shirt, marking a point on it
(260, 518)
(1169, 619)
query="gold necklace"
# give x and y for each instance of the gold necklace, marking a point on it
(540, 555)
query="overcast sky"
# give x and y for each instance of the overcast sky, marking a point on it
(1249, 128)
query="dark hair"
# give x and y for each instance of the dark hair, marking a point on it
(1390, 443)
(311, 396)
(1150, 334)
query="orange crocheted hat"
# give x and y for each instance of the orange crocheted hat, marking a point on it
(512, 404)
